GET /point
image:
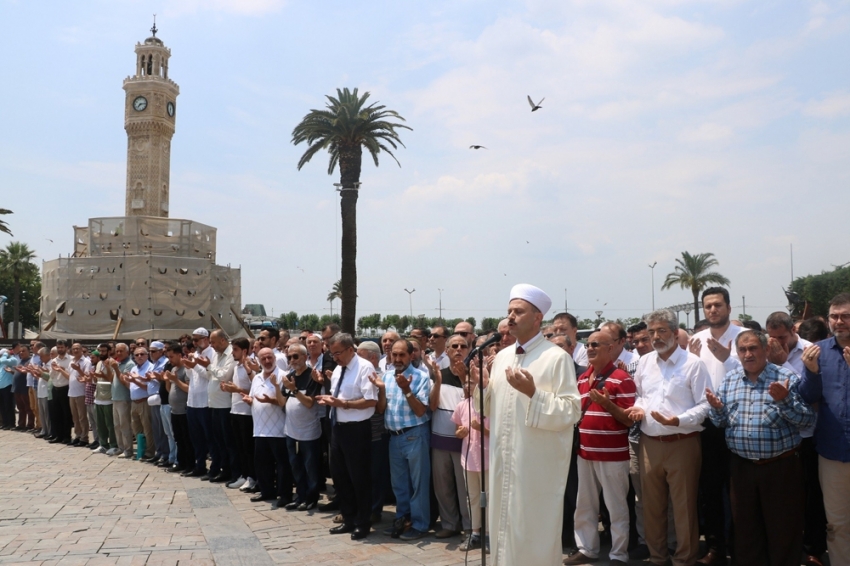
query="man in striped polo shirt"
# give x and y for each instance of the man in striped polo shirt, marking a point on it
(603, 462)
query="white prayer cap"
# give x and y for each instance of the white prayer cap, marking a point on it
(157, 345)
(369, 346)
(201, 332)
(533, 295)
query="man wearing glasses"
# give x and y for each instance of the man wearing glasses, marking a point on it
(140, 411)
(466, 330)
(351, 406)
(437, 341)
(825, 381)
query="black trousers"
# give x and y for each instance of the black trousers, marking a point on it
(7, 406)
(243, 437)
(271, 462)
(570, 497)
(767, 506)
(64, 422)
(351, 469)
(219, 436)
(714, 476)
(814, 531)
(185, 450)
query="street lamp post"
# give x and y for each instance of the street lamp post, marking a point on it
(410, 296)
(598, 318)
(652, 268)
(441, 304)
(688, 309)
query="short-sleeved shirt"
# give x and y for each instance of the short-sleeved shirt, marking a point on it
(177, 397)
(355, 385)
(121, 392)
(103, 386)
(601, 436)
(302, 423)
(398, 414)
(470, 452)
(76, 383)
(269, 419)
(442, 426)
(242, 381)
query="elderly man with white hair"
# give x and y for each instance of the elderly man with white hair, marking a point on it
(533, 402)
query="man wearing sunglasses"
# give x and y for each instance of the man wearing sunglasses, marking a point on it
(466, 330)
(437, 342)
(533, 403)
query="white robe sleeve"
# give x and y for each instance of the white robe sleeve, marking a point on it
(558, 406)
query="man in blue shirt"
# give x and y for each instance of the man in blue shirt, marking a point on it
(9, 360)
(762, 413)
(403, 395)
(826, 381)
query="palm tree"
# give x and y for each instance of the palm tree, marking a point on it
(344, 128)
(692, 272)
(336, 293)
(3, 226)
(16, 259)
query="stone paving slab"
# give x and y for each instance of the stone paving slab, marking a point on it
(67, 505)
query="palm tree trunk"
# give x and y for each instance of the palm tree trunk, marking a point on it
(16, 308)
(696, 306)
(349, 167)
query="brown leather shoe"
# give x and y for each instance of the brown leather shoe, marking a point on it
(446, 533)
(712, 558)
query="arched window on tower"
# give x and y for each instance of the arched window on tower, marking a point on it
(144, 66)
(150, 65)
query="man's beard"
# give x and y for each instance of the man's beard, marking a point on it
(668, 345)
(720, 324)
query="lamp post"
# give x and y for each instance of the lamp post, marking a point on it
(410, 296)
(441, 304)
(652, 268)
(687, 309)
(598, 318)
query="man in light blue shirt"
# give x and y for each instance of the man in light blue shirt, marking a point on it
(404, 393)
(140, 411)
(8, 362)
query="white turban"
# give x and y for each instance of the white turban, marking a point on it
(533, 295)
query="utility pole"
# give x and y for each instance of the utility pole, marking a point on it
(441, 304)
(652, 267)
(410, 296)
(745, 304)
(565, 300)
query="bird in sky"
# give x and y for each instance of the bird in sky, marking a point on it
(302, 270)
(535, 107)
(477, 147)
(49, 240)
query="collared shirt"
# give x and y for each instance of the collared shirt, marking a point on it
(8, 360)
(630, 359)
(443, 361)
(76, 387)
(527, 345)
(830, 388)
(56, 377)
(281, 361)
(717, 369)
(220, 369)
(33, 381)
(580, 354)
(757, 426)
(602, 437)
(399, 415)
(355, 385)
(121, 392)
(242, 381)
(269, 419)
(675, 388)
(159, 365)
(138, 392)
(796, 365)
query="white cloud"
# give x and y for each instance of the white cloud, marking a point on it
(835, 105)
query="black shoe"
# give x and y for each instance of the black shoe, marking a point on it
(154, 461)
(332, 505)
(291, 506)
(75, 442)
(261, 497)
(68, 442)
(342, 529)
(255, 489)
(164, 464)
(205, 477)
(94, 445)
(399, 526)
(220, 478)
(54, 441)
(39, 435)
(359, 533)
(640, 552)
(176, 470)
(196, 473)
(307, 506)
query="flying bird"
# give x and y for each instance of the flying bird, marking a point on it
(535, 107)
(477, 147)
(49, 240)
(296, 267)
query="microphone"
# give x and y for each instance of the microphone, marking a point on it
(495, 338)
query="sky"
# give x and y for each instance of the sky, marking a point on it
(667, 126)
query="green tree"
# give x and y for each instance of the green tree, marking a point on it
(336, 293)
(288, 321)
(310, 321)
(471, 320)
(489, 323)
(328, 319)
(370, 321)
(344, 128)
(3, 226)
(692, 272)
(391, 320)
(818, 290)
(16, 262)
(586, 324)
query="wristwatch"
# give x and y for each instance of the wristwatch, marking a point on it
(408, 395)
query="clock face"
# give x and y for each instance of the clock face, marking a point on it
(170, 108)
(140, 103)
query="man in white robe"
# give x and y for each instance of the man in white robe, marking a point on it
(533, 402)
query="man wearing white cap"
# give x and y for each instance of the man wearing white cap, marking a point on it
(533, 402)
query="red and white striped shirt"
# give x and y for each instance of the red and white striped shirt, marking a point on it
(601, 436)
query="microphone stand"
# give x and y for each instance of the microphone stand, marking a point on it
(483, 500)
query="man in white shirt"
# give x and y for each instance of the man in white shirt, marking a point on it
(715, 346)
(79, 366)
(618, 335)
(671, 406)
(220, 370)
(509, 339)
(387, 341)
(241, 422)
(351, 406)
(437, 341)
(565, 323)
(60, 370)
(197, 405)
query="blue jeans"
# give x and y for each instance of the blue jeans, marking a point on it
(165, 413)
(304, 457)
(200, 423)
(410, 471)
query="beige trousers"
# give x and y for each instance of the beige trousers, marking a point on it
(140, 419)
(81, 419)
(835, 482)
(670, 470)
(121, 419)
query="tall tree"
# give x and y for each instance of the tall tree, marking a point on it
(3, 226)
(692, 272)
(16, 260)
(344, 128)
(336, 293)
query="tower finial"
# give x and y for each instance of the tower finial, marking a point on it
(153, 29)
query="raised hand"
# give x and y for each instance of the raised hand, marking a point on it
(317, 377)
(664, 419)
(459, 368)
(599, 396)
(521, 380)
(265, 399)
(377, 381)
(635, 413)
(475, 425)
(403, 382)
(713, 399)
(695, 346)
(288, 383)
(810, 358)
(720, 351)
(777, 352)
(846, 353)
(462, 432)
(247, 399)
(252, 364)
(779, 390)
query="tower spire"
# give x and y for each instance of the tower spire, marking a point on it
(153, 29)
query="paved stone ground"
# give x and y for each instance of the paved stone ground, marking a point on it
(64, 505)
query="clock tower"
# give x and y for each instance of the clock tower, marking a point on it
(150, 109)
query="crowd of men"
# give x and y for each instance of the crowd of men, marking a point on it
(736, 432)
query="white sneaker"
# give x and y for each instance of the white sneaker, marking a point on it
(99, 450)
(112, 452)
(236, 483)
(250, 483)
